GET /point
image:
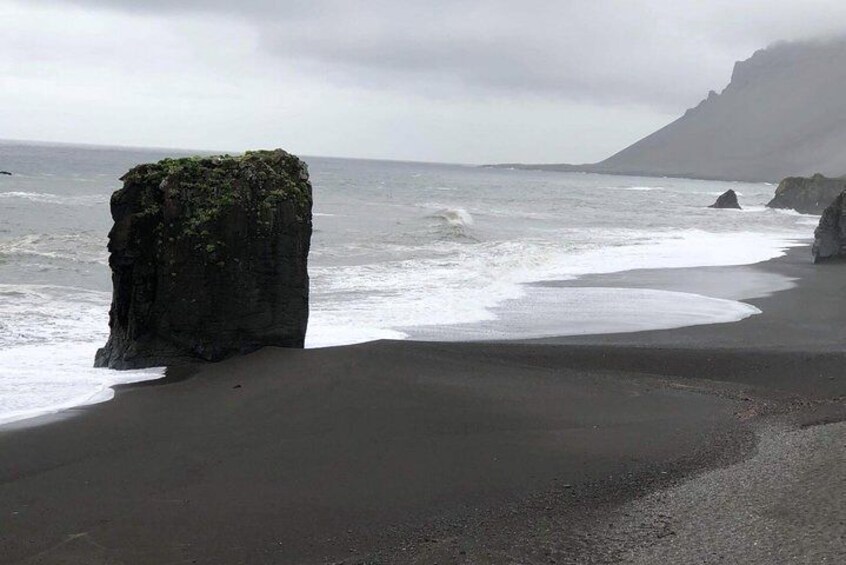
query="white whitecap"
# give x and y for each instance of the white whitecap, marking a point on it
(791, 212)
(470, 283)
(637, 188)
(49, 198)
(458, 217)
(80, 247)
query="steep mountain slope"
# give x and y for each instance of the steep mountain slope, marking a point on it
(783, 114)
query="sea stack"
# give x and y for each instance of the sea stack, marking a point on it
(830, 235)
(209, 259)
(807, 195)
(728, 199)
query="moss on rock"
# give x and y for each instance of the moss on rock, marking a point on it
(200, 190)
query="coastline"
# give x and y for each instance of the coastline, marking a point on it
(665, 289)
(816, 326)
(596, 169)
(428, 251)
(421, 452)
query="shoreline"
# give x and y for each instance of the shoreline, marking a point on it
(815, 327)
(634, 279)
(415, 452)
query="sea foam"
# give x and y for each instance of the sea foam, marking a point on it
(569, 311)
(48, 337)
(47, 378)
(49, 198)
(472, 285)
(79, 247)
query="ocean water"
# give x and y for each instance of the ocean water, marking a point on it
(400, 250)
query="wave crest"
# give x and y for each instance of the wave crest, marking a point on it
(80, 247)
(455, 223)
(49, 198)
(456, 217)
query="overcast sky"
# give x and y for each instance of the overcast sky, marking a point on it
(469, 81)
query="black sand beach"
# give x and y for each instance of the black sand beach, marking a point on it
(596, 449)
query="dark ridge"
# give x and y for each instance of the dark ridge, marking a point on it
(782, 114)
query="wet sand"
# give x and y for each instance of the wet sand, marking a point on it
(404, 452)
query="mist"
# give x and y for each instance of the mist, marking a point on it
(464, 81)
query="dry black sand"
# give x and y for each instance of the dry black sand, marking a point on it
(402, 452)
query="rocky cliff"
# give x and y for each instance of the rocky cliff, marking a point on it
(830, 235)
(209, 259)
(807, 195)
(782, 114)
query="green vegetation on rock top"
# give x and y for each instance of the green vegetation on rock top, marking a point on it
(202, 188)
(188, 197)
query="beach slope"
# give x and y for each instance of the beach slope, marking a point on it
(404, 452)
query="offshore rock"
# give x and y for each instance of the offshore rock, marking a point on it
(728, 199)
(807, 195)
(830, 235)
(209, 259)
(7, 173)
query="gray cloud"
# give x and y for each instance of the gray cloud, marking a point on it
(664, 54)
(466, 80)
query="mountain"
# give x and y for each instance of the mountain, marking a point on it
(783, 114)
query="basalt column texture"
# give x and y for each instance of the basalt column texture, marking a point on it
(209, 259)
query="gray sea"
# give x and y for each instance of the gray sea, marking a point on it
(400, 250)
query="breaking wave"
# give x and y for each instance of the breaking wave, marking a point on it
(78, 247)
(455, 222)
(456, 217)
(49, 198)
(637, 188)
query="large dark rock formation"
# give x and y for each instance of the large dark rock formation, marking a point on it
(728, 199)
(830, 235)
(779, 116)
(807, 195)
(208, 259)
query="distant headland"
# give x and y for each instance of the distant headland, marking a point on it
(778, 117)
